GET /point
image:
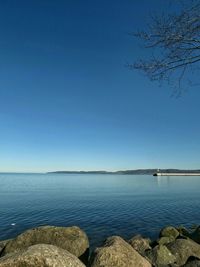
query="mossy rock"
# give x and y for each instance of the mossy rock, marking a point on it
(160, 256)
(165, 240)
(183, 249)
(169, 231)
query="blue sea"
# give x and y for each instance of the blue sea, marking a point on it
(102, 205)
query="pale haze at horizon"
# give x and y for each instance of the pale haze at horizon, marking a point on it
(67, 101)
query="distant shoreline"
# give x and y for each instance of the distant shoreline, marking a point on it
(155, 172)
(135, 172)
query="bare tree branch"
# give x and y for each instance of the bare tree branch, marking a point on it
(175, 40)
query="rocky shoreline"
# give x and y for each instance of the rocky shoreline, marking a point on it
(51, 246)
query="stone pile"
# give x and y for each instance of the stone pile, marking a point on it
(51, 246)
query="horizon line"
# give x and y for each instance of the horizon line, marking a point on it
(106, 171)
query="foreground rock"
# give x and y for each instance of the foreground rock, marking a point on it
(72, 239)
(140, 244)
(3, 244)
(117, 253)
(41, 256)
(183, 249)
(51, 246)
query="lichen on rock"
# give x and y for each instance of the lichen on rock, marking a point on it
(117, 252)
(41, 255)
(140, 244)
(72, 239)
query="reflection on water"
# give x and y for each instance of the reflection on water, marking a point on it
(163, 180)
(102, 205)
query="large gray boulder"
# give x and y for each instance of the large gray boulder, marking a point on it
(183, 249)
(72, 239)
(140, 244)
(117, 253)
(160, 256)
(41, 255)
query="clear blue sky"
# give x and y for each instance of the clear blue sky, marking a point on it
(67, 102)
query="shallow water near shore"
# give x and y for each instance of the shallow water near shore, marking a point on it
(102, 205)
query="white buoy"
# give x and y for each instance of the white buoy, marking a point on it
(13, 224)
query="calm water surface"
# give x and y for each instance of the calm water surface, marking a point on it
(103, 205)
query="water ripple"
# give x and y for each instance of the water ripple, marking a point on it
(102, 205)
